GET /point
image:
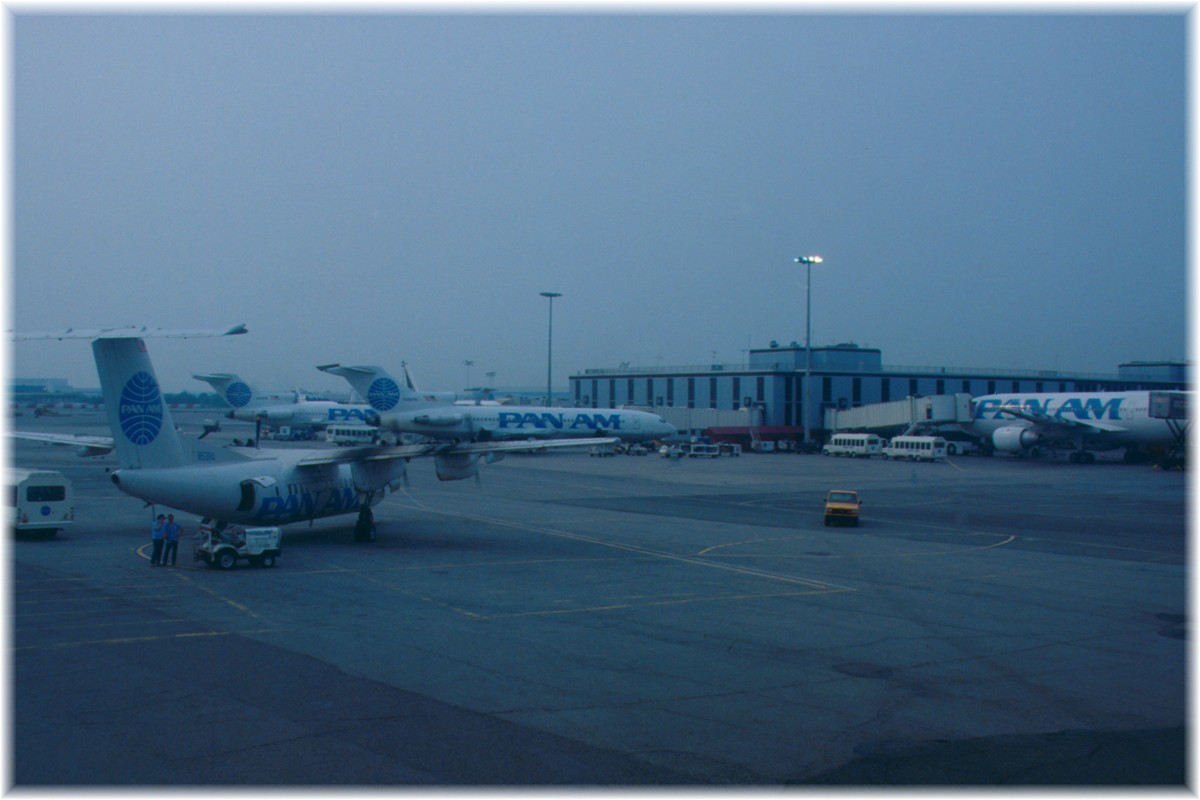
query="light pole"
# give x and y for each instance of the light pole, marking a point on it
(807, 261)
(550, 342)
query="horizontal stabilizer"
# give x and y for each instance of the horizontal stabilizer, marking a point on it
(85, 445)
(131, 332)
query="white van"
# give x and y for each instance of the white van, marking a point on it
(855, 445)
(42, 500)
(351, 434)
(918, 448)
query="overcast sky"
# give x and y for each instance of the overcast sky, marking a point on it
(987, 190)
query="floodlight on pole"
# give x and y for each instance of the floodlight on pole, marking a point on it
(550, 342)
(807, 261)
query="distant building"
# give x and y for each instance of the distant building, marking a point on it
(843, 376)
(41, 386)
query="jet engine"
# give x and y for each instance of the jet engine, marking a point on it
(1015, 438)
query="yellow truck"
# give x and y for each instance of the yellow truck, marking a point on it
(842, 506)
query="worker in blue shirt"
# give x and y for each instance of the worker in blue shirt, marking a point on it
(157, 535)
(173, 530)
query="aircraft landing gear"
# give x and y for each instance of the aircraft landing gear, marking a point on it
(364, 528)
(1082, 457)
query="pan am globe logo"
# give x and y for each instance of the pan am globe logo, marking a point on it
(141, 409)
(238, 394)
(383, 394)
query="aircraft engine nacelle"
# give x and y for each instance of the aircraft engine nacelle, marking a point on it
(1015, 438)
(375, 476)
(438, 420)
(457, 466)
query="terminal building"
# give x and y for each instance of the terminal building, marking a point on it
(768, 393)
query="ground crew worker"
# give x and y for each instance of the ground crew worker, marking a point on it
(157, 533)
(172, 538)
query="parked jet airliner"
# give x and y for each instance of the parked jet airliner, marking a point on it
(253, 487)
(249, 404)
(491, 423)
(1018, 423)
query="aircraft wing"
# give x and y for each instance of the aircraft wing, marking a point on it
(1062, 424)
(88, 445)
(407, 451)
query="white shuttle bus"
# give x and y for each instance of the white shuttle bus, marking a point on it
(41, 499)
(351, 434)
(855, 445)
(918, 448)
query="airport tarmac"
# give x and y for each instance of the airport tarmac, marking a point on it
(625, 621)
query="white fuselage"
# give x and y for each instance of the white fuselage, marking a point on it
(261, 491)
(317, 413)
(1096, 420)
(528, 422)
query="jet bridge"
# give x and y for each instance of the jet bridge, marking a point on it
(1172, 407)
(901, 416)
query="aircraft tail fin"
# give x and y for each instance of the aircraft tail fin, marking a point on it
(374, 384)
(234, 391)
(143, 431)
(408, 378)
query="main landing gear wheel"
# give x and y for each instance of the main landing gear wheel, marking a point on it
(364, 529)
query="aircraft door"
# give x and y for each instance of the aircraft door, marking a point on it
(250, 492)
(247, 501)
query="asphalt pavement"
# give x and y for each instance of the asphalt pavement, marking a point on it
(621, 622)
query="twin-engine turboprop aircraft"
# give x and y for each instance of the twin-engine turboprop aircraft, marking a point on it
(399, 410)
(251, 487)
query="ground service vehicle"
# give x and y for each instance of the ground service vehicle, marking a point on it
(222, 546)
(855, 445)
(960, 447)
(351, 434)
(842, 506)
(918, 448)
(42, 501)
